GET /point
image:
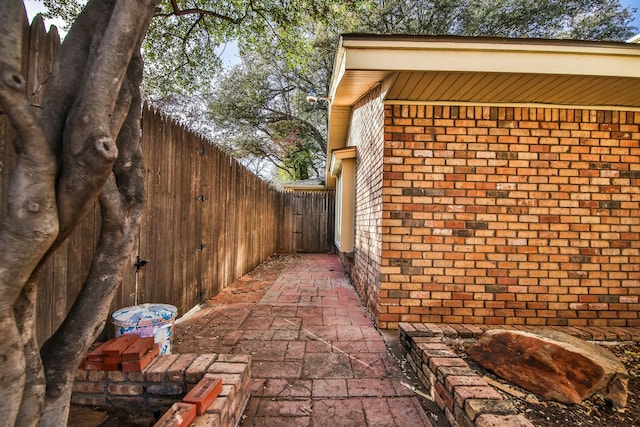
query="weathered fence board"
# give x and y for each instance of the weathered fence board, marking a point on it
(207, 221)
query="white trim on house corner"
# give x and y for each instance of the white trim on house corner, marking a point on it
(634, 39)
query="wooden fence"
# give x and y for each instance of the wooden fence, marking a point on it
(305, 222)
(207, 222)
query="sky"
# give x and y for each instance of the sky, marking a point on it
(634, 4)
(35, 6)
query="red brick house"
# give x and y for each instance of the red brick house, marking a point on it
(488, 181)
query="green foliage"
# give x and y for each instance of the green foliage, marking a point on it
(277, 72)
(68, 10)
(260, 105)
(554, 19)
(259, 108)
(184, 44)
(574, 19)
(288, 47)
(185, 40)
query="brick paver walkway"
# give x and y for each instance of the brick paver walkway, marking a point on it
(317, 358)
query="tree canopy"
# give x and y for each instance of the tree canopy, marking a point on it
(258, 106)
(553, 19)
(186, 38)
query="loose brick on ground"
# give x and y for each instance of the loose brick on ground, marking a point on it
(138, 365)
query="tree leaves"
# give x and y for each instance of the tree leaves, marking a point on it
(288, 49)
(281, 64)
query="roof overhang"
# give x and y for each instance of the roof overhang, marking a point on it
(337, 156)
(304, 188)
(493, 71)
(313, 184)
(450, 68)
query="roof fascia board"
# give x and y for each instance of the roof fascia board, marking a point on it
(344, 153)
(634, 39)
(339, 68)
(304, 187)
(483, 43)
(471, 59)
(387, 83)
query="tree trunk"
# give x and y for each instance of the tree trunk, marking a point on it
(31, 222)
(84, 146)
(34, 387)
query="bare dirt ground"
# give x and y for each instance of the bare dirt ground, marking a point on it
(593, 412)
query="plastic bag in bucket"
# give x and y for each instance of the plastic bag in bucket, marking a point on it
(147, 320)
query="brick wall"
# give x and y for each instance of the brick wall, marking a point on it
(367, 133)
(166, 380)
(500, 215)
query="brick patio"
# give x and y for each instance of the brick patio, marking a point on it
(317, 359)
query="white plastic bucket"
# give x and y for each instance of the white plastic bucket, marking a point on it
(147, 320)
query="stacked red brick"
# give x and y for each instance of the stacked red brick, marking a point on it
(464, 397)
(128, 353)
(509, 215)
(168, 379)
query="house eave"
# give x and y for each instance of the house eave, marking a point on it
(337, 156)
(634, 39)
(304, 187)
(481, 71)
(436, 69)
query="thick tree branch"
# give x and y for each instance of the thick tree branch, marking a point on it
(279, 116)
(62, 352)
(31, 220)
(317, 136)
(89, 146)
(70, 69)
(176, 11)
(129, 167)
(127, 23)
(121, 209)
